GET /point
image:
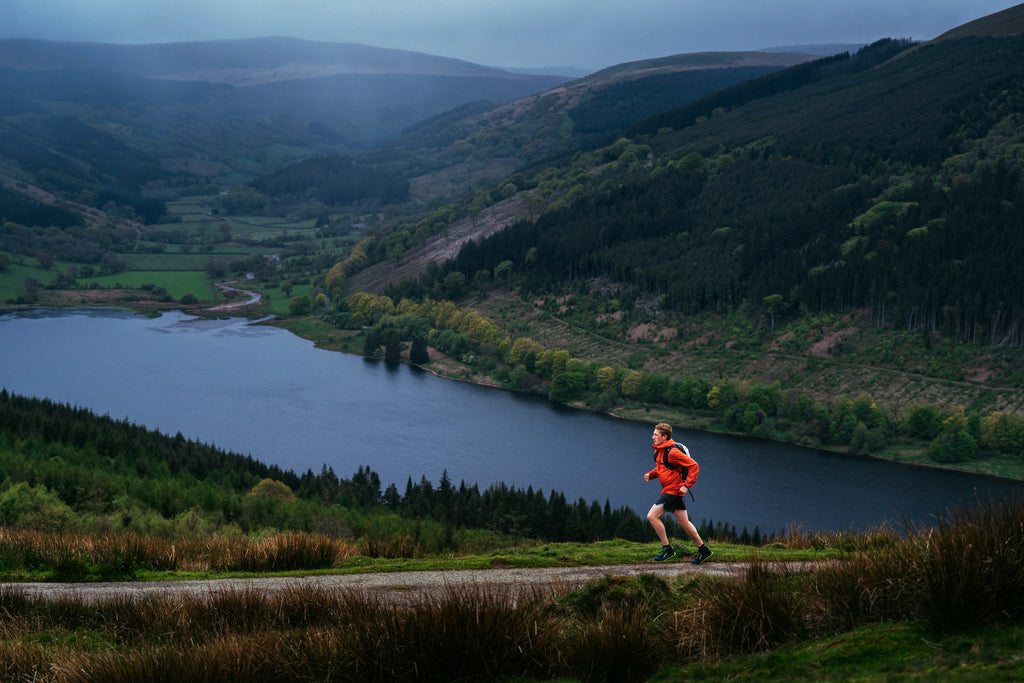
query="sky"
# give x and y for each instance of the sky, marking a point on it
(584, 34)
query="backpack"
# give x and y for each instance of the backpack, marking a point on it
(682, 469)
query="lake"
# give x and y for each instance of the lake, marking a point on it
(261, 391)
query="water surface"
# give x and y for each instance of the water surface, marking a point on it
(261, 391)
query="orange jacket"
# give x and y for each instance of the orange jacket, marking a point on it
(671, 480)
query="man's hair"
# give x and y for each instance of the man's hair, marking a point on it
(665, 429)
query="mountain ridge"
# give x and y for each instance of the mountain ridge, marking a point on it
(239, 62)
(1002, 24)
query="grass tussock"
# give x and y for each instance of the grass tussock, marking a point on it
(971, 565)
(390, 548)
(757, 613)
(964, 573)
(62, 556)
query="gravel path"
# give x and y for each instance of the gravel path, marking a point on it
(398, 587)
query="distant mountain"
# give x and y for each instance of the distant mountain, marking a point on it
(320, 96)
(574, 115)
(566, 71)
(136, 120)
(822, 50)
(696, 61)
(236, 62)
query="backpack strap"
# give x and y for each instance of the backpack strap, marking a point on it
(678, 468)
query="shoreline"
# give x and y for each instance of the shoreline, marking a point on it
(906, 456)
(676, 418)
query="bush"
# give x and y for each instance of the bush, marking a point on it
(300, 305)
(35, 507)
(953, 447)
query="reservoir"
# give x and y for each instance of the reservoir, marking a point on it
(262, 391)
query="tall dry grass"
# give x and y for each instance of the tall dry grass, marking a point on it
(963, 572)
(970, 567)
(74, 556)
(302, 634)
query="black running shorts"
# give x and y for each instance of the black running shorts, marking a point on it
(671, 502)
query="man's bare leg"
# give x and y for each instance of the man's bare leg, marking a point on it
(654, 517)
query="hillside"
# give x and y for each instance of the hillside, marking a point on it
(1009, 22)
(138, 124)
(478, 147)
(854, 195)
(842, 229)
(245, 62)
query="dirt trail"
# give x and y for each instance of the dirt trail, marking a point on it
(252, 297)
(397, 587)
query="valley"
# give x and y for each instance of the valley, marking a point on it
(806, 259)
(768, 245)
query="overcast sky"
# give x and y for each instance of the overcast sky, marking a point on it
(587, 34)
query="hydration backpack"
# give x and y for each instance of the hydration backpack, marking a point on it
(682, 469)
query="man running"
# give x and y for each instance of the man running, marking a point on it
(676, 471)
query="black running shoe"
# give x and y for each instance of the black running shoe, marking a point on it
(703, 553)
(666, 552)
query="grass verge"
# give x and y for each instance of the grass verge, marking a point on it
(941, 603)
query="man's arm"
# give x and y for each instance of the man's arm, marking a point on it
(678, 457)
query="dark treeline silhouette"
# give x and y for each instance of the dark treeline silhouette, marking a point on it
(773, 84)
(18, 208)
(100, 458)
(121, 440)
(500, 507)
(528, 513)
(49, 148)
(617, 106)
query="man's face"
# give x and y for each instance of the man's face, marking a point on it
(657, 438)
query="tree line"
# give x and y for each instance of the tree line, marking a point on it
(68, 469)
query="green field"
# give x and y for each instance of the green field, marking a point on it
(195, 215)
(279, 300)
(177, 283)
(182, 267)
(262, 227)
(190, 261)
(12, 280)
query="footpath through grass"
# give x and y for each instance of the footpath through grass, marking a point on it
(940, 603)
(77, 560)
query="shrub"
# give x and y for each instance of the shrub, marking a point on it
(970, 567)
(35, 507)
(755, 613)
(300, 305)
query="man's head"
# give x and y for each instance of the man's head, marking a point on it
(662, 433)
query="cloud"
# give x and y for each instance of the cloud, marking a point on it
(583, 33)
